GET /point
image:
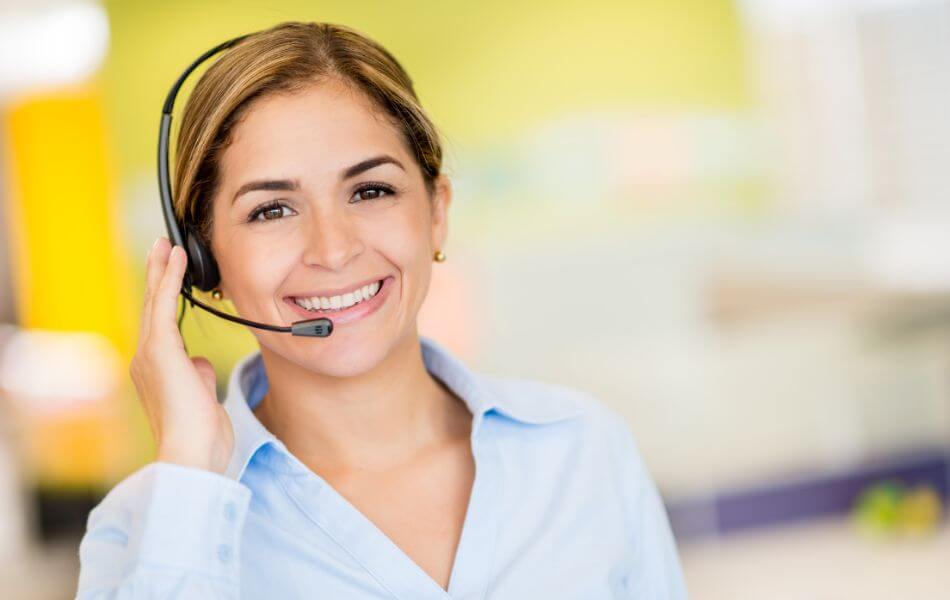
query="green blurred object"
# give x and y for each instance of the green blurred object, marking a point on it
(889, 508)
(877, 509)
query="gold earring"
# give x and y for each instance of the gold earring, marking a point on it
(216, 294)
(439, 256)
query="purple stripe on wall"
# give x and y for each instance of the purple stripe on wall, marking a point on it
(805, 497)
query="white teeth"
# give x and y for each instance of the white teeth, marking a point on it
(339, 302)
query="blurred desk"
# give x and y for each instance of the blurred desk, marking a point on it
(827, 560)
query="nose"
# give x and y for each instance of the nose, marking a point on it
(332, 240)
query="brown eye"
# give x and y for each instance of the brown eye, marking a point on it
(370, 192)
(270, 212)
(274, 212)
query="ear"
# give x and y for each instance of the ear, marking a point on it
(442, 198)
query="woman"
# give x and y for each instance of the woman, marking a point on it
(371, 463)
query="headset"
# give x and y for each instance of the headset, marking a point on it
(202, 270)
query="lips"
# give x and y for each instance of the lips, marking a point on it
(356, 312)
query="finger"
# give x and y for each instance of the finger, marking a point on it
(165, 300)
(155, 266)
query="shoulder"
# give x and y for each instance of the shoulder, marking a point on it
(575, 439)
(543, 402)
(521, 399)
(552, 400)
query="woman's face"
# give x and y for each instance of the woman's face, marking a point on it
(319, 197)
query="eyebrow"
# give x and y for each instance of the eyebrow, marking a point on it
(271, 185)
(290, 185)
(369, 163)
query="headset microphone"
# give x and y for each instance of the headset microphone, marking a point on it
(202, 270)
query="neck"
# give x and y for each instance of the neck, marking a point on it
(370, 421)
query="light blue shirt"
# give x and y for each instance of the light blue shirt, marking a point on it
(562, 506)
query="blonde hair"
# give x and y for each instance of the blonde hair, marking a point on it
(287, 58)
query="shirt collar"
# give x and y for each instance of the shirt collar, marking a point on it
(528, 402)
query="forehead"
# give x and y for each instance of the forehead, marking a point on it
(317, 131)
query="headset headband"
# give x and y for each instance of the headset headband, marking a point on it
(202, 270)
(164, 135)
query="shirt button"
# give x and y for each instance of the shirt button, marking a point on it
(230, 512)
(224, 553)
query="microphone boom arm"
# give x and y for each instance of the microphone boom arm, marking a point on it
(321, 327)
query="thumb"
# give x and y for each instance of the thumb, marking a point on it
(206, 373)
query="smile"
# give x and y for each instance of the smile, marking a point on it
(339, 301)
(343, 306)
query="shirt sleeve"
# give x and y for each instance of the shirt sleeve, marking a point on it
(165, 531)
(656, 569)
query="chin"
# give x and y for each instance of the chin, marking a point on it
(334, 357)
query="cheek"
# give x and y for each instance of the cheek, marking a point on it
(404, 240)
(253, 267)
(409, 248)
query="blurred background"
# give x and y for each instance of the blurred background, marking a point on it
(743, 205)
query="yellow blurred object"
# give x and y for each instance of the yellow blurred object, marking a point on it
(64, 230)
(69, 274)
(919, 511)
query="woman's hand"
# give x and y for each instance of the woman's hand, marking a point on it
(178, 393)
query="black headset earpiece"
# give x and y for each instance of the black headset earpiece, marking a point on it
(202, 267)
